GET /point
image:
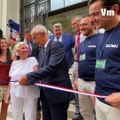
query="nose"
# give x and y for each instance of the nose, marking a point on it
(26, 49)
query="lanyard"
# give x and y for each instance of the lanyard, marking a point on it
(102, 48)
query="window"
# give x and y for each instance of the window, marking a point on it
(71, 2)
(54, 4)
(33, 12)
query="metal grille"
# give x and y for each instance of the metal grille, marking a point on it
(33, 12)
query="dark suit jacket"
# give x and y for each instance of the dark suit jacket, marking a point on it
(68, 42)
(53, 70)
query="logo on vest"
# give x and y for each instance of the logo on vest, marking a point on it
(92, 46)
(112, 46)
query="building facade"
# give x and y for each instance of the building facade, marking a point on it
(48, 12)
(9, 9)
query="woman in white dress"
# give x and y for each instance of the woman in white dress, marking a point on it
(23, 98)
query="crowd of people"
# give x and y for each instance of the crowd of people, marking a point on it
(93, 57)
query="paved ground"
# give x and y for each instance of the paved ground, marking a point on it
(70, 112)
(9, 113)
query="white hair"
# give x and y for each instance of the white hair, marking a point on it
(17, 47)
(39, 29)
(78, 18)
(57, 25)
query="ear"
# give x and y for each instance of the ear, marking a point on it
(115, 7)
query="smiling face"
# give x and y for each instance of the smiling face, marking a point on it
(103, 20)
(86, 27)
(95, 13)
(23, 51)
(57, 31)
(3, 44)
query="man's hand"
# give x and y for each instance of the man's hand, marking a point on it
(23, 80)
(114, 99)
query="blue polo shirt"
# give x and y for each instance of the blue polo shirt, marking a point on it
(86, 67)
(108, 78)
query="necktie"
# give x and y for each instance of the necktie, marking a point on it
(77, 46)
(29, 49)
(42, 56)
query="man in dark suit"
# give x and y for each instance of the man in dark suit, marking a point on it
(53, 70)
(33, 48)
(67, 40)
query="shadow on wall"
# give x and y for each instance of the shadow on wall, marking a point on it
(1, 33)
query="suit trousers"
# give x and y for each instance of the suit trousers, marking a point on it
(52, 111)
(86, 102)
(28, 105)
(106, 112)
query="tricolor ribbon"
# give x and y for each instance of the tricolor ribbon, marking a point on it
(65, 89)
(69, 90)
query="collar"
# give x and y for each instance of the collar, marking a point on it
(59, 39)
(46, 43)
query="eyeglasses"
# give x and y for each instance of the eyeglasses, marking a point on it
(95, 14)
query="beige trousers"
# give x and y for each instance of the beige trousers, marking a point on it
(106, 112)
(86, 102)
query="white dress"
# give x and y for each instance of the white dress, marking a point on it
(23, 97)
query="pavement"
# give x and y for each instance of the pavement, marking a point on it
(70, 112)
(9, 117)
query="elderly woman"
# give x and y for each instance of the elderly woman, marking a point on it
(5, 61)
(23, 97)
